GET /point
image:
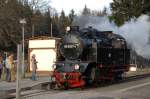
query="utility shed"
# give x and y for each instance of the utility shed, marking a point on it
(45, 50)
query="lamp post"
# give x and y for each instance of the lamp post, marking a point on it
(23, 22)
(18, 78)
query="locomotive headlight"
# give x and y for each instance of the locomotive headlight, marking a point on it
(76, 66)
(54, 66)
(133, 68)
(53, 79)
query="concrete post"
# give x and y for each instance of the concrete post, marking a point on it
(19, 61)
(23, 51)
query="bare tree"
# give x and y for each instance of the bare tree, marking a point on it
(41, 5)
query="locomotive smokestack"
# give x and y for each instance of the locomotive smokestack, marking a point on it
(90, 27)
(74, 28)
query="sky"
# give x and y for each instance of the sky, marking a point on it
(78, 5)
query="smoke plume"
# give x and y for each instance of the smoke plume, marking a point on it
(135, 31)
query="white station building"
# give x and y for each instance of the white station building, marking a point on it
(45, 51)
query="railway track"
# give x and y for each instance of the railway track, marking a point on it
(44, 90)
(124, 80)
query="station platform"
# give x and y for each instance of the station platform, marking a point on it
(26, 83)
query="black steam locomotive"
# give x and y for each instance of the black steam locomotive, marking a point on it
(88, 55)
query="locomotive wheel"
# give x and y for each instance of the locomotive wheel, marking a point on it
(118, 76)
(54, 85)
(91, 76)
(66, 85)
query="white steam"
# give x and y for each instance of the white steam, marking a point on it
(136, 31)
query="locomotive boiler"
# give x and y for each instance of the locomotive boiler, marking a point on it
(89, 56)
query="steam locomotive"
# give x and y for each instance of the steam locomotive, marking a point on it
(88, 56)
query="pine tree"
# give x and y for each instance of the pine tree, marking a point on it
(124, 10)
(63, 21)
(86, 11)
(71, 16)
